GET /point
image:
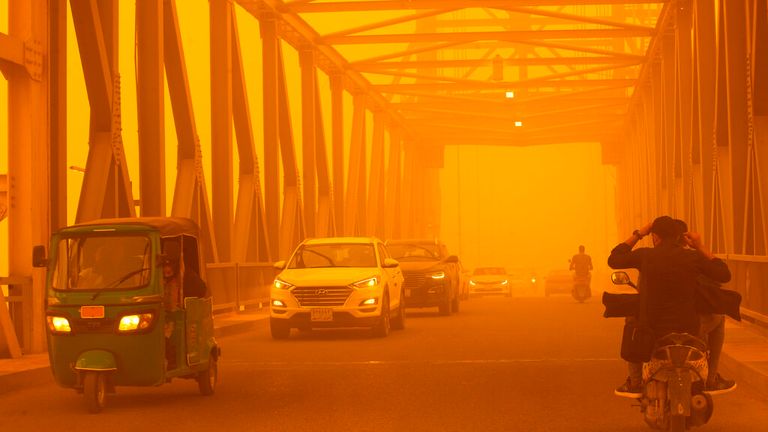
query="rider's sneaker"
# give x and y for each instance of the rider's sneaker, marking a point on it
(630, 390)
(719, 385)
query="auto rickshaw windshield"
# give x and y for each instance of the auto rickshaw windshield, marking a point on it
(102, 262)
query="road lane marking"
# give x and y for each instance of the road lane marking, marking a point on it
(415, 362)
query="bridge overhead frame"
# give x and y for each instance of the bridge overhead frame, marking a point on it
(564, 59)
(696, 139)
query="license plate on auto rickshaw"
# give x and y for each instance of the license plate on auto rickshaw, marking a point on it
(321, 314)
(92, 312)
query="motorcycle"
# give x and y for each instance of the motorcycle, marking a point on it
(581, 290)
(674, 397)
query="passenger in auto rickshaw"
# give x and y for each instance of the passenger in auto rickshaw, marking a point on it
(191, 286)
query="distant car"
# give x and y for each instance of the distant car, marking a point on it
(338, 282)
(432, 275)
(558, 282)
(524, 281)
(490, 280)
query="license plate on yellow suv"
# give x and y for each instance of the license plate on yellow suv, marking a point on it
(321, 314)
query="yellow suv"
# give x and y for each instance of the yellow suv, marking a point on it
(338, 282)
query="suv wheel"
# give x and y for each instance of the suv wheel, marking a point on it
(445, 305)
(455, 304)
(279, 329)
(382, 327)
(399, 322)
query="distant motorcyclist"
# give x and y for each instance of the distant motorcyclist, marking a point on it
(669, 273)
(581, 263)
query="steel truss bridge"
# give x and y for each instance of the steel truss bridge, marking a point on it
(675, 91)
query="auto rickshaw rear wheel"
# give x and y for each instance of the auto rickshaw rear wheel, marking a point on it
(207, 379)
(95, 391)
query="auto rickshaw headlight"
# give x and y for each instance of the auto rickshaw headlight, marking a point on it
(136, 322)
(58, 324)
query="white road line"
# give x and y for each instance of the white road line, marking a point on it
(424, 362)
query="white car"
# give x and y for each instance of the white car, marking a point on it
(338, 282)
(490, 280)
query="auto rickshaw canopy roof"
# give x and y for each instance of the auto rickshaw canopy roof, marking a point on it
(167, 226)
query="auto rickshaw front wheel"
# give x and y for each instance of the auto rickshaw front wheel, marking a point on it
(207, 379)
(95, 391)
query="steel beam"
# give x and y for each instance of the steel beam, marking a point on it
(150, 105)
(463, 37)
(190, 197)
(376, 187)
(28, 175)
(250, 237)
(57, 76)
(221, 124)
(337, 137)
(269, 64)
(381, 5)
(308, 130)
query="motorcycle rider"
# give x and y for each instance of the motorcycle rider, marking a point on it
(669, 273)
(582, 264)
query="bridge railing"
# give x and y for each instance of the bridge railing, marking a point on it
(749, 276)
(239, 286)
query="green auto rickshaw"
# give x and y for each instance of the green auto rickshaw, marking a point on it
(127, 305)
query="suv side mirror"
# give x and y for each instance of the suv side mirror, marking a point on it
(38, 256)
(452, 259)
(279, 265)
(390, 263)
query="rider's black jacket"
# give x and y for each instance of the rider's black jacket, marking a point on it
(669, 273)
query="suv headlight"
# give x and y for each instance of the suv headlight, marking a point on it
(366, 283)
(437, 275)
(282, 285)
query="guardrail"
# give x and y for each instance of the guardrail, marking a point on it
(749, 276)
(239, 286)
(10, 306)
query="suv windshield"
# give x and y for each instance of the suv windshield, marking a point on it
(102, 262)
(414, 251)
(334, 255)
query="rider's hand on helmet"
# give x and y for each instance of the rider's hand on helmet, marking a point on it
(693, 239)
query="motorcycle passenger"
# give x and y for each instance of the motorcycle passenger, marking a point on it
(712, 331)
(669, 273)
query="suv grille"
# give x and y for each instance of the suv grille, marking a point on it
(322, 296)
(413, 280)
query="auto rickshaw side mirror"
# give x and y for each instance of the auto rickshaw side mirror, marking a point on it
(279, 265)
(38, 256)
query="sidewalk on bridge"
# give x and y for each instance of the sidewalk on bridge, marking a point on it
(744, 358)
(745, 355)
(33, 369)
